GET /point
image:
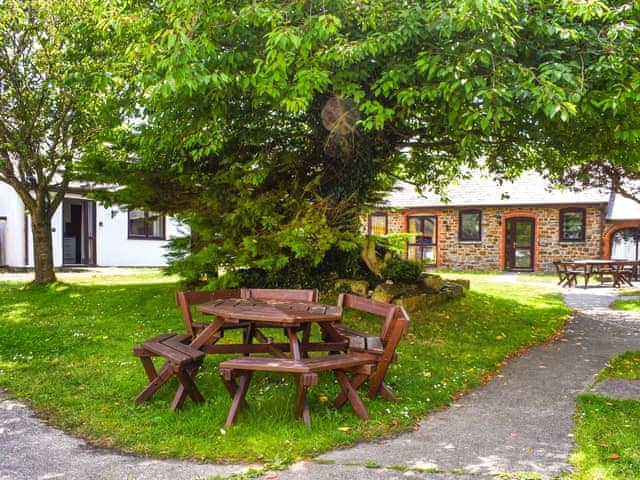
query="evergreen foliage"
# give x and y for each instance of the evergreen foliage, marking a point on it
(401, 271)
(269, 127)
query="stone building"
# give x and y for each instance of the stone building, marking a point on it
(523, 225)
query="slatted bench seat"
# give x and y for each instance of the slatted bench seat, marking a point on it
(382, 346)
(362, 341)
(306, 368)
(182, 361)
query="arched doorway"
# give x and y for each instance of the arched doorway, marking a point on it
(625, 243)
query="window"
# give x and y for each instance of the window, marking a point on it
(625, 244)
(378, 224)
(572, 225)
(469, 229)
(146, 225)
(423, 248)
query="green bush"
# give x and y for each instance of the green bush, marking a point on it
(401, 271)
(300, 274)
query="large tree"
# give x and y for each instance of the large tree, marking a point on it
(52, 87)
(269, 126)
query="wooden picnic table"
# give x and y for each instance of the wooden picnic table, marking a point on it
(184, 355)
(367, 359)
(621, 271)
(295, 317)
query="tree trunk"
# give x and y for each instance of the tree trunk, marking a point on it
(42, 250)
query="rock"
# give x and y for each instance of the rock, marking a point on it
(433, 283)
(387, 292)
(466, 284)
(442, 296)
(454, 290)
(415, 303)
(357, 287)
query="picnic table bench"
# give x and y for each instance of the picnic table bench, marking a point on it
(621, 272)
(354, 357)
(182, 360)
(306, 368)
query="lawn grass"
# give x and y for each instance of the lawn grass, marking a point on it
(606, 434)
(626, 365)
(67, 350)
(607, 430)
(626, 305)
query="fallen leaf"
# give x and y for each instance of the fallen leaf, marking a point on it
(344, 429)
(614, 456)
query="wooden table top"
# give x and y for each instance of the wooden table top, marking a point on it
(276, 312)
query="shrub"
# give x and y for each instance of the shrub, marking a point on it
(401, 271)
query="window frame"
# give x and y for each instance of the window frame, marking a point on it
(419, 245)
(583, 234)
(475, 238)
(148, 232)
(378, 214)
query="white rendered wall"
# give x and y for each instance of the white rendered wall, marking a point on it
(12, 208)
(114, 249)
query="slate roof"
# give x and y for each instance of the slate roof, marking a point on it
(481, 191)
(622, 208)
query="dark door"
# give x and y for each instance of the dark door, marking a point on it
(79, 246)
(520, 240)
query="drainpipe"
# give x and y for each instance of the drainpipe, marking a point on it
(3, 226)
(26, 239)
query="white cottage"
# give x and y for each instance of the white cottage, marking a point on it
(86, 233)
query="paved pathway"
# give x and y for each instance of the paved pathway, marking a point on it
(521, 421)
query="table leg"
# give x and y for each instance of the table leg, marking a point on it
(238, 399)
(164, 374)
(301, 407)
(294, 343)
(208, 336)
(187, 387)
(351, 393)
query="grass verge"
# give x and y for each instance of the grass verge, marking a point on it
(626, 305)
(607, 430)
(67, 350)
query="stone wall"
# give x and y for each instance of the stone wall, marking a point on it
(489, 253)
